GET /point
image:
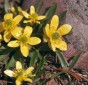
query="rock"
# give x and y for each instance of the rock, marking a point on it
(77, 16)
(82, 63)
(52, 82)
(70, 53)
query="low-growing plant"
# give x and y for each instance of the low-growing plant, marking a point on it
(32, 42)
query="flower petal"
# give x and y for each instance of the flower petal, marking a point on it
(62, 46)
(32, 9)
(0, 37)
(52, 46)
(13, 44)
(7, 36)
(64, 29)
(54, 22)
(41, 17)
(18, 65)
(18, 81)
(24, 50)
(46, 30)
(34, 40)
(26, 15)
(17, 32)
(27, 21)
(17, 19)
(28, 30)
(8, 16)
(29, 70)
(28, 80)
(9, 73)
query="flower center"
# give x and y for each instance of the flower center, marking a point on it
(33, 16)
(55, 35)
(8, 22)
(24, 39)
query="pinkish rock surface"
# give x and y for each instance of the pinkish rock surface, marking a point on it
(77, 16)
(82, 62)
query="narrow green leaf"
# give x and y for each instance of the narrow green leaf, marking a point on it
(51, 11)
(11, 63)
(16, 8)
(48, 14)
(2, 57)
(74, 61)
(40, 65)
(62, 15)
(15, 57)
(34, 56)
(64, 64)
(39, 74)
(7, 6)
(39, 6)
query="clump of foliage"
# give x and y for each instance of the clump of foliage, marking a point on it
(28, 40)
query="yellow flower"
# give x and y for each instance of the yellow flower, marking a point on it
(54, 35)
(0, 39)
(21, 74)
(24, 40)
(33, 16)
(9, 24)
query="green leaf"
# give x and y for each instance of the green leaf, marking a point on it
(16, 8)
(40, 65)
(34, 56)
(11, 63)
(6, 51)
(62, 15)
(48, 14)
(64, 64)
(39, 74)
(2, 57)
(7, 6)
(39, 6)
(51, 11)
(74, 61)
(15, 57)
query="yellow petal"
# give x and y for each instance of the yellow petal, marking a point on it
(28, 80)
(18, 65)
(52, 46)
(62, 46)
(7, 36)
(9, 73)
(37, 22)
(29, 70)
(46, 30)
(18, 81)
(8, 16)
(54, 22)
(13, 44)
(28, 30)
(26, 15)
(32, 9)
(17, 19)
(27, 21)
(17, 32)
(41, 17)
(34, 40)
(24, 50)
(45, 39)
(0, 37)
(64, 29)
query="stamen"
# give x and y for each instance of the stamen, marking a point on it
(24, 39)
(8, 22)
(55, 35)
